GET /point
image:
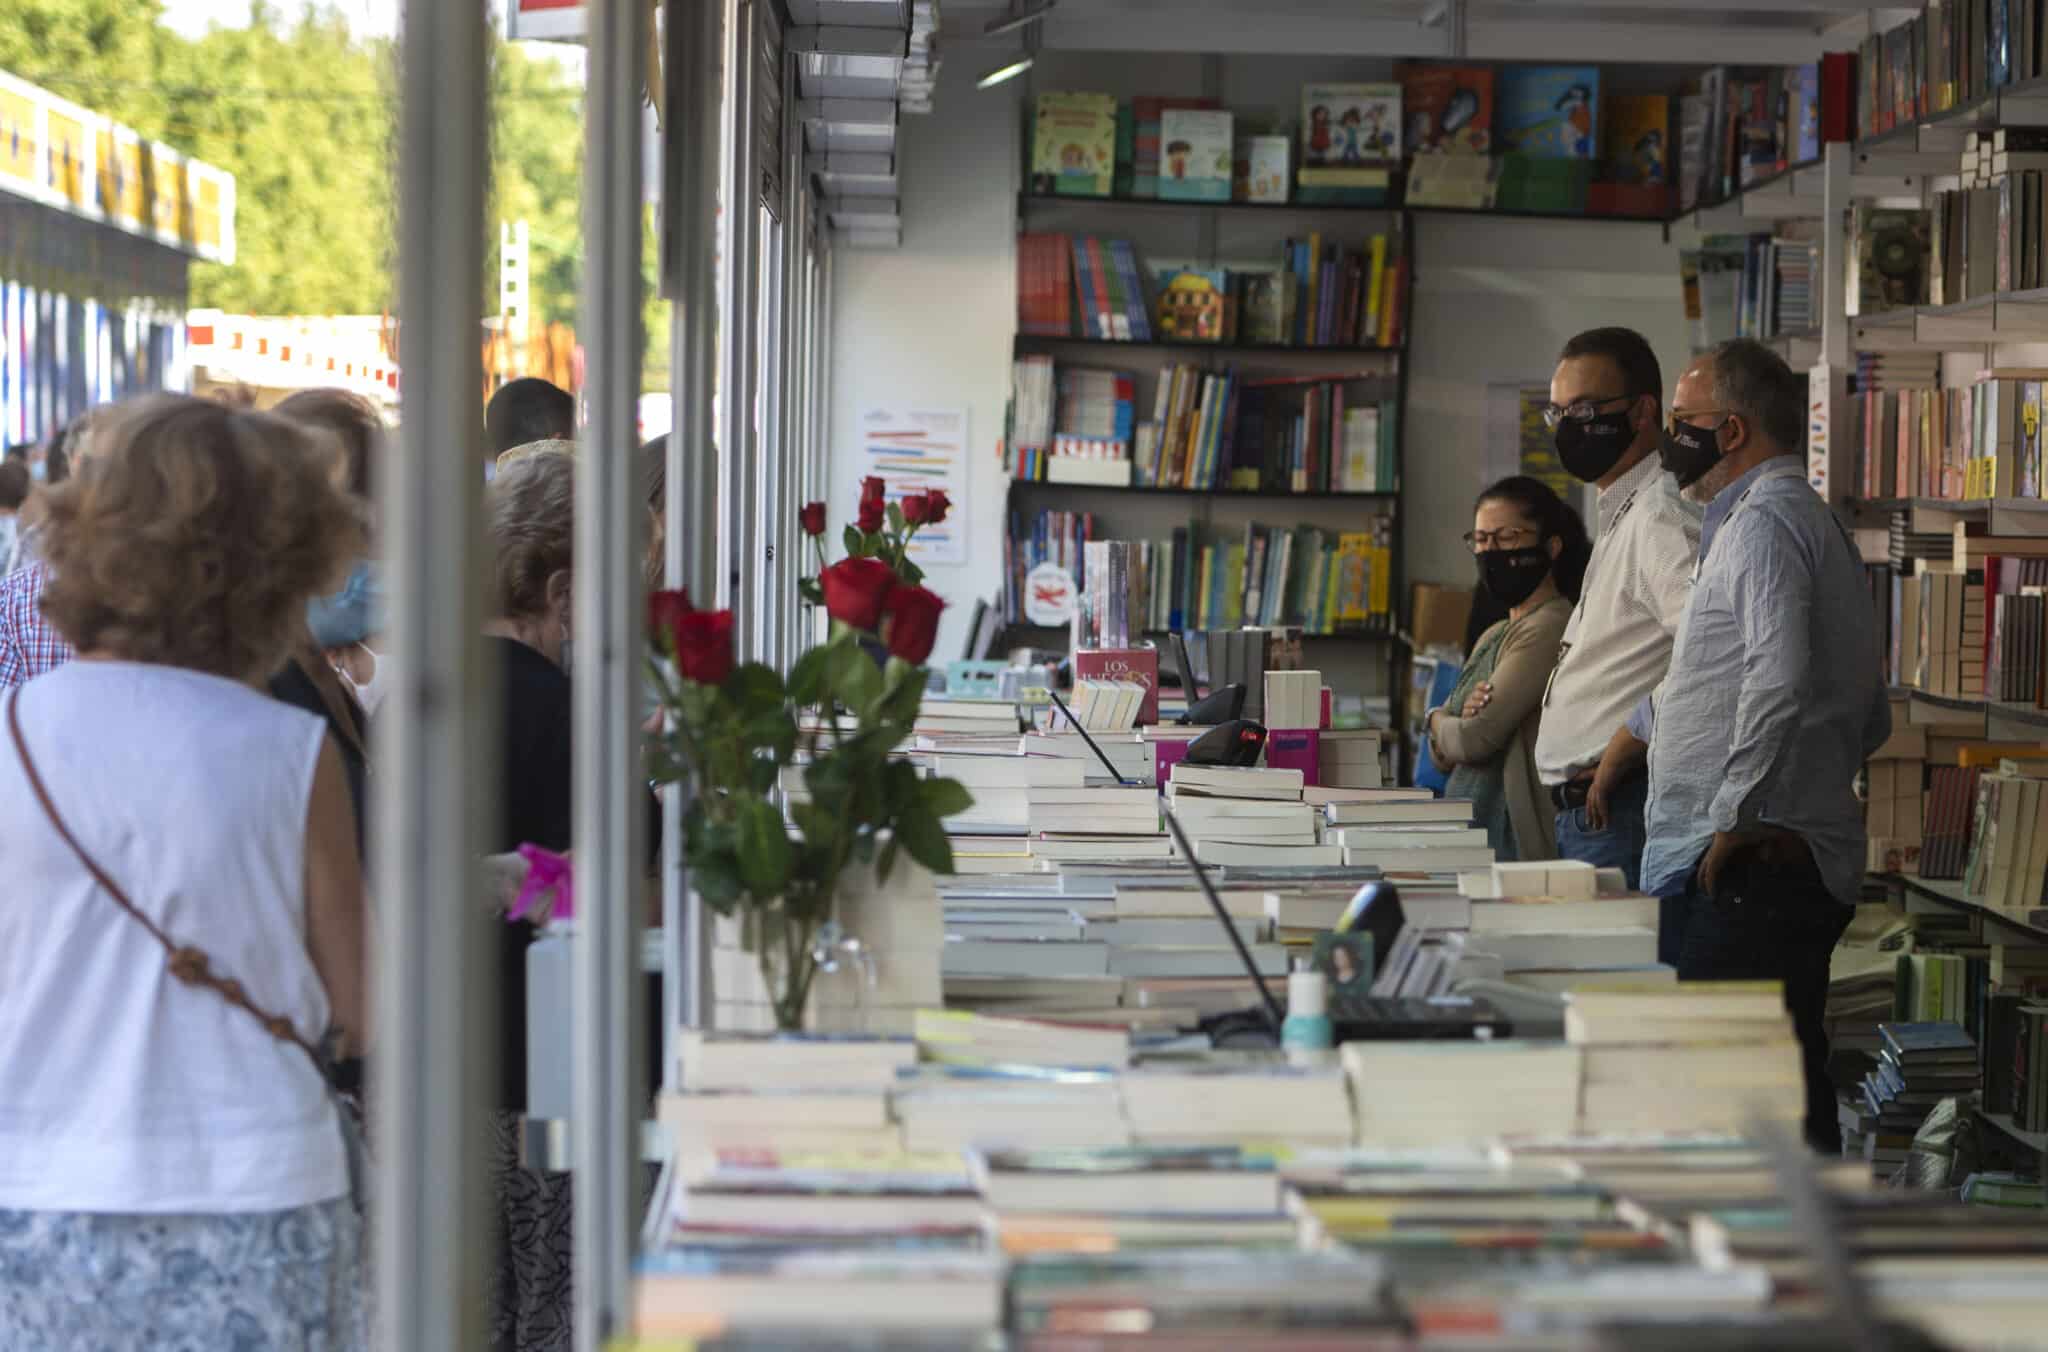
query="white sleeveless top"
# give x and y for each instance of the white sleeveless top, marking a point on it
(121, 1088)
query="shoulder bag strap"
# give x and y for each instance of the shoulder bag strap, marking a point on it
(189, 964)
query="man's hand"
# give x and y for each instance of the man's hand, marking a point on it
(1727, 844)
(1625, 751)
(1481, 696)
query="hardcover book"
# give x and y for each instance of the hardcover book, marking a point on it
(1195, 155)
(1260, 173)
(1347, 126)
(1074, 144)
(1448, 108)
(1551, 112)
(1637, 134)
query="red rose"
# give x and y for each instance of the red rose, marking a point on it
(812, 518)
(913, 623)
(937, 504)
(704, 646)
(855, 590)
(917, 509)
(871, 516)
(665, 610)
(872, 489)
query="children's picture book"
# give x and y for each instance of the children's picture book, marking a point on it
(1447, 108)
(1192, 302)
(1195, 153)
(1637, 132)
(1260, 172)
(1550, 111)
(1803, 88)
(1349, 125)
(1345, 960)
(1073, 144)
(1454, 180)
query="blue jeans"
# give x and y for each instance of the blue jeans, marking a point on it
(1620, 845)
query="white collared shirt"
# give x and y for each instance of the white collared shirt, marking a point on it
(1618, 641)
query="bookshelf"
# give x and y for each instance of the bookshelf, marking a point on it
(1027, 342)
(1030, 202)
(1358, 661)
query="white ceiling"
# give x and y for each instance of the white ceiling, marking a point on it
(1702, 32)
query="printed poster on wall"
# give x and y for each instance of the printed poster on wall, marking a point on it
(1538, 447)
(918, 449)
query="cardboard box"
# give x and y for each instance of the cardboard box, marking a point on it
(1439, 614)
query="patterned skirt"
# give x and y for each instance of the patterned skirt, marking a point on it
(267, 1281)
(532, 1287)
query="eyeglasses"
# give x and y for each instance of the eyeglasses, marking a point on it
(1514, 537)
(1579, 410)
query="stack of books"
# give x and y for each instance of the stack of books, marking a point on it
(1248, 816)
(1103, 1200)
(1096, 822)
(1697, 1056)
(784, 1092)
(1404, 831)
(1237, 1098)
(1918, 1065)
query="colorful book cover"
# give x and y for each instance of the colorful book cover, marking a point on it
(1637, 133)
(1260, 173)
(1805, 95)
(1447, 108)
(1074, 144)
(1194, 155)
(1191, 303)
(1349, 125)
(1264, 304)
(1550, 111)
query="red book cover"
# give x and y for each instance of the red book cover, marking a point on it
(1124, 664)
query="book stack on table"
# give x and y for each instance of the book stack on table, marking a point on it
(1918, 1065)
(1404, 831)
(1696, 1056)
(1247, 816)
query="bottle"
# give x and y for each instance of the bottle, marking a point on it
(1308, 1020)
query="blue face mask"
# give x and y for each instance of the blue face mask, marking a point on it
(38, 470)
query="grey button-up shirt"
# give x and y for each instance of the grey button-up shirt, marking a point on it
(1775, 696)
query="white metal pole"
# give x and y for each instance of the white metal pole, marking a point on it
(735, 210)
(610, 782)
(692, 41)
(435, 974)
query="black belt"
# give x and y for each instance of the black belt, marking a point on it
(1572, 793)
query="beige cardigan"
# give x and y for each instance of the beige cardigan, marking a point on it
(1506, 727)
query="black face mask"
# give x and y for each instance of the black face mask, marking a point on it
(1511, 576)
(1589, 449)
(1688, 451)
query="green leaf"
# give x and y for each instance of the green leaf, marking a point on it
(810, 589)
(885, 860)
(763, 774)
(946, 797)
(896, 517)
(773, 731)
(856, 681)
(926, 840)
(807, 679)
(753, 689)
(855, 542)
(715, 878)
(903, 693)
(909, 571)
(763, 848)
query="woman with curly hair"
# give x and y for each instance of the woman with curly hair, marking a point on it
(182, 932)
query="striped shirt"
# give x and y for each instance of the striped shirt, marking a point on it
(28, 645)
(1775, 696)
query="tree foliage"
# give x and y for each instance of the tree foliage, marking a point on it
(303, 112)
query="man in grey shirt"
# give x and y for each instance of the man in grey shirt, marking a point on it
(1773, 701)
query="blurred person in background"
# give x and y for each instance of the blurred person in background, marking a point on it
(1531, 549)
(531, 519)
(14, 485)
(526, 410)
(29, 644)
(184, 921)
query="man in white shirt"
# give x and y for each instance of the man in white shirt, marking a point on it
(1606, 415)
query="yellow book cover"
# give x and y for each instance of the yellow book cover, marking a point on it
(1233, 589)
(1354, 578)
(1202, 607)
(1382, 580)
(1073, 144)
(1315, 267)
(1375, 289)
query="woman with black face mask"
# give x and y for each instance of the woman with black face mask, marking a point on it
(1531, 550)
